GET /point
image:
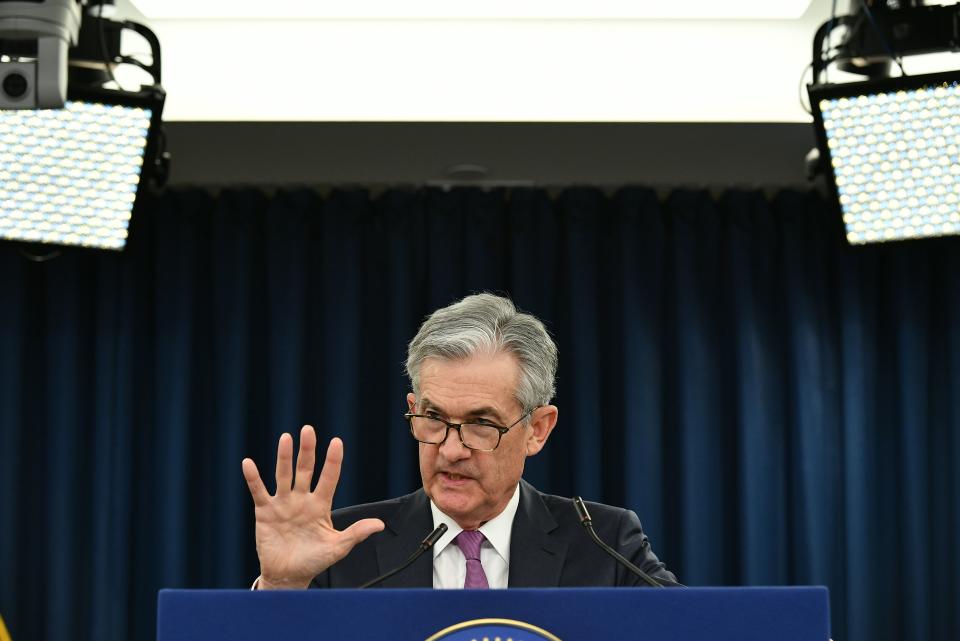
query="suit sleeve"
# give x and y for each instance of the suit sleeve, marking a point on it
(321, 581)
(634, 544)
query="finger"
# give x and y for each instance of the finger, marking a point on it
(306, 459)
(330, 474)
(257, 489)
(360, 530)
(284, 463)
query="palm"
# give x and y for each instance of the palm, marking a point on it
(295, 536)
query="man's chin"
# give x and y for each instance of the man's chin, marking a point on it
(454, 502)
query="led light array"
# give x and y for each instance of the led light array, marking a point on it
(69, 176)
(895, 159)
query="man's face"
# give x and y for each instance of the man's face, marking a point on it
(473, 487)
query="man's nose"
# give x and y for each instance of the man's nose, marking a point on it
(452, 449)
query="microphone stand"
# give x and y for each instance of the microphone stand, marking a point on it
(425, 545)
(587, 522)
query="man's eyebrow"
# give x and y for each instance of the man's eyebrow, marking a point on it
(485, 410)
(426, 404)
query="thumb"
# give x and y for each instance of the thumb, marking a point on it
(363, 528)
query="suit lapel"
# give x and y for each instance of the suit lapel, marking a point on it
(411, 522)
(536, 559)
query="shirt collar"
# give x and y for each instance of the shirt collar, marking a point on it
(497, 530)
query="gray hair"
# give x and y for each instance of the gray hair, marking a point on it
(488, 324)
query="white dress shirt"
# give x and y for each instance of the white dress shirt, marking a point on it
(449, 564)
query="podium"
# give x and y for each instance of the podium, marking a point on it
(567, 614)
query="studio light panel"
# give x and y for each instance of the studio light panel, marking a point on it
(70, 176)
(895, 160)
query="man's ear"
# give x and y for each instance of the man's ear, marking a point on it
(411, 401)
(542, 422)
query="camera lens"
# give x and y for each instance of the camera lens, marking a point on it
(15, 85)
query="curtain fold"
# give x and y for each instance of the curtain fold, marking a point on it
(777, 407)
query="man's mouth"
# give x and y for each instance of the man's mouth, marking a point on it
(453, 477)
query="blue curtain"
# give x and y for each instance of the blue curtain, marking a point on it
(777, 407)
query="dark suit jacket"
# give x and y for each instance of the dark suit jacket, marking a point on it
(548, 546)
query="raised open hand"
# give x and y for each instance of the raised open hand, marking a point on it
(295, 536)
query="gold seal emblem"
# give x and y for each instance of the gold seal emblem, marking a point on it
(493, 630)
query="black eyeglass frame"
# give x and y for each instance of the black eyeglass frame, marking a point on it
(457, 426)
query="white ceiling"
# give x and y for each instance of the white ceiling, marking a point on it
(585, 70)
(489, 9)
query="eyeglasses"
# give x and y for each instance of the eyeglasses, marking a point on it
(483, 437)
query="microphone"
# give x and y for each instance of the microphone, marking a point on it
(425, 545)
(587, 522)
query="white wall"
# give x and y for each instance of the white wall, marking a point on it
(487, 70)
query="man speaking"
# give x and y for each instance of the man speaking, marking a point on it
(482, 376)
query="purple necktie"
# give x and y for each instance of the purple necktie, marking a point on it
(469, 543)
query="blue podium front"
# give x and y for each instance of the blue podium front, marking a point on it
(564, 614)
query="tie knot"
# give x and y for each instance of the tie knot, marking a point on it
(469, 543)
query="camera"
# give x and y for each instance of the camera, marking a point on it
(35, 39)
